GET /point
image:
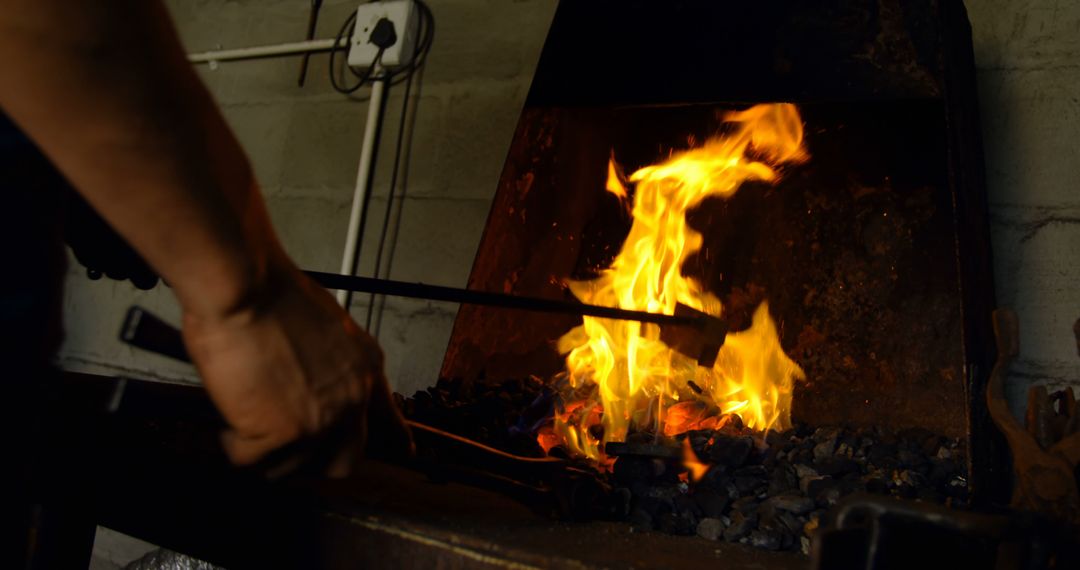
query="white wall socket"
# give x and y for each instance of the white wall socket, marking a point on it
(406, 18)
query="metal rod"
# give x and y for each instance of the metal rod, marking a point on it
(364, 177)
(258, 52)
(453, 295)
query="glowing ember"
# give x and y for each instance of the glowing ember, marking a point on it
(637, 382)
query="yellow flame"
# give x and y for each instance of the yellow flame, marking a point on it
(637, 376)
(614, 185)
(693, 465)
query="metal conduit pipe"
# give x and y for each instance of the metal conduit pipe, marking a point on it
(376, 109)
(276, 50)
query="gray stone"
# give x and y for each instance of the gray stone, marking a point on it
(730, 451)
(837, 466)
(711, 529)
(640, 520)
(745, 505)
(783, 479)
(824, 450)
(795, 505)
(765, 540)
(740, 527)
(806, 482)
(712, 503)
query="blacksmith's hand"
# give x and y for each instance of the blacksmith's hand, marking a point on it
(294, 376)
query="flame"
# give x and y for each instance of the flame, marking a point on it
(640, 382)
(693, 465)
(615, 183)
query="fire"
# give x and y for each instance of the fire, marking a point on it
(693, 465)
(633, 379)
(614, 184)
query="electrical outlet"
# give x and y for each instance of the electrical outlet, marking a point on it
(406, 19)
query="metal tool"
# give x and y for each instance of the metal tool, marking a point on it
(871, 532)
(689, 331)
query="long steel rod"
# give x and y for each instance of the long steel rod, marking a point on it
(453, 295)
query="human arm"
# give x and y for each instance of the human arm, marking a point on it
(105, 90)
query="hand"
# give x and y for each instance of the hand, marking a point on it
(291, 365)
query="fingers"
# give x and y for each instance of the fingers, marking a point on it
(330, 452)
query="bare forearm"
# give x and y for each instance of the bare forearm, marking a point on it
(104, 89)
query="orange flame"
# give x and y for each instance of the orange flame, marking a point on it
(640, 380)
(694, 465)
(614, 183)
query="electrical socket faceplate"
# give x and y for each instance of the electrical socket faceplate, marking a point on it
(406, 18)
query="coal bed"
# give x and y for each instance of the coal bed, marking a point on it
(769, 490)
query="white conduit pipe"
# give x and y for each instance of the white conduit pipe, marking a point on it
(363, 179)
(294, 48)
(367, 151)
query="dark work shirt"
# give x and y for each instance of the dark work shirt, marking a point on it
(31, 254)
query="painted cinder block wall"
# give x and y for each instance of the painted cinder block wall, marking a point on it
(1028, 67)
(305, 143)
(305, 146)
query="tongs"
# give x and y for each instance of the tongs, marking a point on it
(691, 332)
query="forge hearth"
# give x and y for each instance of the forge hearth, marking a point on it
(853, 251)
(870, 251)
(734, 484)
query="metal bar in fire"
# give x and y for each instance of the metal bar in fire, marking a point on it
(454, 295)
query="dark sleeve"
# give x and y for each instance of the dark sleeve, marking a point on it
(31, 254)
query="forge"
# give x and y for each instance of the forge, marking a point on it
(810, 174)
(868, 243)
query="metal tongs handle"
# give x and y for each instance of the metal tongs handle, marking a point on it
(689, 331)
(454, 295)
